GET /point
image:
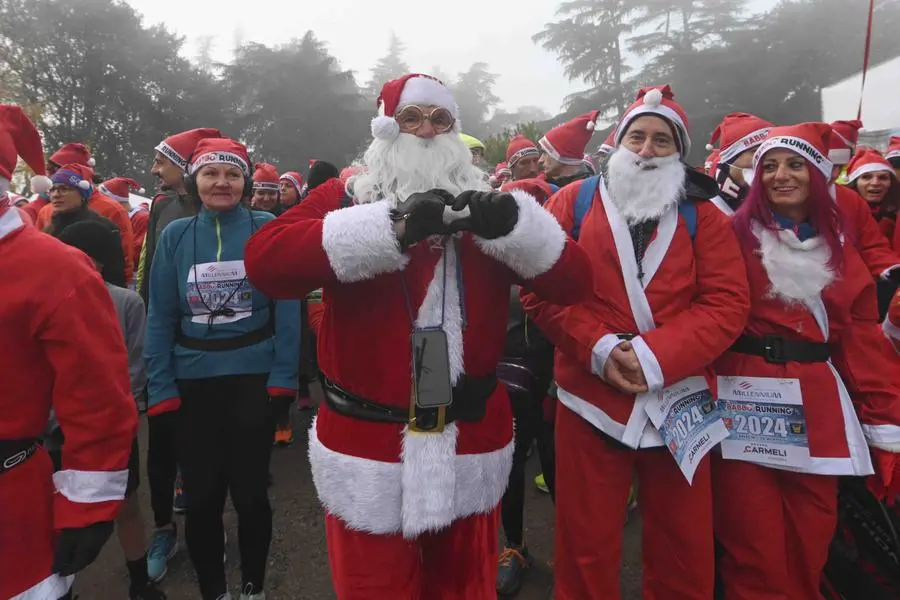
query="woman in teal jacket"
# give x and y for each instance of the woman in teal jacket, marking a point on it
(217, 351)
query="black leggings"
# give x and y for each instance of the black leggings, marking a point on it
(162, 465)
(225, 430)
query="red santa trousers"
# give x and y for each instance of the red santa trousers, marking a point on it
(457, 563)
(593, 477)
(775, 527)
(26, 530)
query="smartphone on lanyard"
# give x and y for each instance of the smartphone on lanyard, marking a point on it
(431, 368)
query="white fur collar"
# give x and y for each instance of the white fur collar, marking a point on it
(798, 271)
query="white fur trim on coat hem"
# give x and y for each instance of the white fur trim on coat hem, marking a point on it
(597, 417)
(360, 242)
(88, 487)
(882, 434)
(53, 586)
(372, 496)
(535, 243)
(890, 330)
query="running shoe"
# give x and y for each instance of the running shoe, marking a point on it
(514, 561)
(248, 592)
(179, 502)
(284, 435)
(163, 547)
(541, 484)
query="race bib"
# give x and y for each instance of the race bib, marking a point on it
(765, 420)
(690, 422)
(219, 285)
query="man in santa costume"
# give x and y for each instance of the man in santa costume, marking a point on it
(68, 354)
(423, 251)
(523, 158)
(563, 160)
(118, 189)
(674, 297)
(266, 189)
(738, 135)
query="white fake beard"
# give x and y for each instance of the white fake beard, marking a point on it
(394, 169)
(644, 188)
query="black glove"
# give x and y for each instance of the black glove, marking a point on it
(894, 275)
(423, 213)
(79, 547)
(492, 214)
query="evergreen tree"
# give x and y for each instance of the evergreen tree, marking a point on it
(474, 94)
(390, 66)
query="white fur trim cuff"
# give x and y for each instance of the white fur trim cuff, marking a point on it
(600, 354)
(360, 242)
(433, 487)
(652, 371)
(535, 243)
(881, 434)
(88, 487)
(887, 272)
(890, 330)
(895, 448)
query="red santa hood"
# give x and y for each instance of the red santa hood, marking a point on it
(119, 188)
(73, 153)
(19, 137)
(737, 133)
(567, 142)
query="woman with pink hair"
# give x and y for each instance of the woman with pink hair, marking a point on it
(793, 428)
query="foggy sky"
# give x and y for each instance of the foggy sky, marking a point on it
(357, 32)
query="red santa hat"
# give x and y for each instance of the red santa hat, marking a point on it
(737, 133)
(867, 160)
(566, 143)
(893, 149)
(219, 151)
(118, 188)
(73, 153)
(502, 170)
(608, 145)
(294, 178)
(350, 171)
(519, 147)
(265, 177)
(179, 147)
(657, 100)
(78, 176)
(19, 137)
(809, 140)
(844, 137)
(413, 88)
(537, 187)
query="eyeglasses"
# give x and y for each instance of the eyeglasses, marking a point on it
(411, 117)
(60, 188)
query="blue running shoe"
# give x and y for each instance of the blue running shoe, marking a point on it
(163, 547)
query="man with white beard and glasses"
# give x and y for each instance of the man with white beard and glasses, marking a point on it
(671, 296)
(411, 450)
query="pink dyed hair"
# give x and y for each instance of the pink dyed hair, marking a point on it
(824, 215)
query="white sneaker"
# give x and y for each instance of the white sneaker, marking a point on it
(225, 596)
(250, 593)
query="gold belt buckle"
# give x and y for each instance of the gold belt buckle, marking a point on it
(441, 421)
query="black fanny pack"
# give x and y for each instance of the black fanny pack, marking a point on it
(780, 350)
(469, 402)
(14, 452)
(251, 338)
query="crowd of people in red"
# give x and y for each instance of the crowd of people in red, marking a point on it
(720, 344)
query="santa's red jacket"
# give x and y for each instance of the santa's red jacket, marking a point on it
(62, 347)
(378, 477)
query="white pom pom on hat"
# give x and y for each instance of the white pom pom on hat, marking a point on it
(653, 98)
(710, 147)
(40, 184)
(142, 191)
(84, 184)
(385, 128)
(92, 162)
(590, 126)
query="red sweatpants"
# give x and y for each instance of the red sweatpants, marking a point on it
(457, 563)
(775, 527)
(593, 478)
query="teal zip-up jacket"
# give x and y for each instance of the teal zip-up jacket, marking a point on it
(209, 248)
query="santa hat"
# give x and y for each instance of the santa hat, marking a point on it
(294, 178)
(179, 147)
(19, 137)
(809, 140)
(711, 162)
(118, 188)
(502, 170)
(413, 88)
(78, 176)
(74, 153)
(265, 177)
(867, 160)
(608, 145)
(538, 188)
(844, 137)
(587, 162)
(893, 149)
(519, 147)
(566, 143)
(660, 101)
(737, 133)
(220, 151)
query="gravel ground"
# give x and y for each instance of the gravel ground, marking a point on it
(298, 561)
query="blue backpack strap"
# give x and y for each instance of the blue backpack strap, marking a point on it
(688, 210)
(583, 203)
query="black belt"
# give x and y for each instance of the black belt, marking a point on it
(14, 452)
(469, 403)
(251, 338)
(626, 336)
(780, 350)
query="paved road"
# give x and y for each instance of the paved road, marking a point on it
(298, 561)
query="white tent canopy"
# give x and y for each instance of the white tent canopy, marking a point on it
(880, 109)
